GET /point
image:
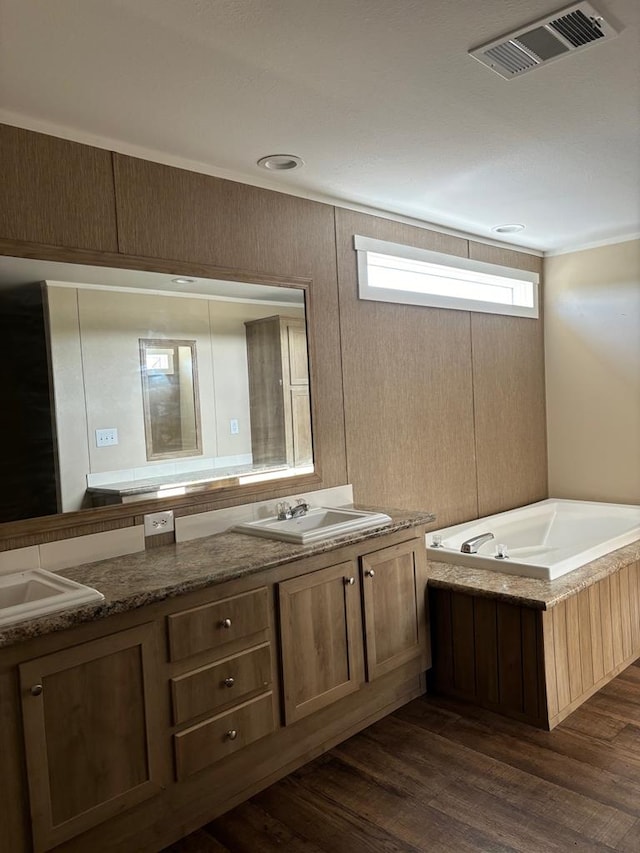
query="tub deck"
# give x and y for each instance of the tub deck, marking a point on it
(531, 649)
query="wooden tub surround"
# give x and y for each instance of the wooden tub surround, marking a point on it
(534, 650)
(213, 668)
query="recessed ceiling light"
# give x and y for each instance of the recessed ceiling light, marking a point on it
(281, 162)
(508, 229)
(184, 280)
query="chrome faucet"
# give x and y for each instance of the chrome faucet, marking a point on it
(471, 545)
(285, 511)
(301, 508)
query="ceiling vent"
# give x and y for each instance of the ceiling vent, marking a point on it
(541, 42)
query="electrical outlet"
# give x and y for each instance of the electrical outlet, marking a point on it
(106, 437)
(234, 426)
(158, 522)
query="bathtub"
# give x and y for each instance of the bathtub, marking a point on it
(543, 540)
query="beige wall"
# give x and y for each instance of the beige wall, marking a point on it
(592, 346)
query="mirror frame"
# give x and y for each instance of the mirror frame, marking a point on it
(47, 528)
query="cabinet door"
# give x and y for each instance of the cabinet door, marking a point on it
(297, 351)
(92, 737)
(56, 192)
(301, 429)
(321, 637)
(394, 583)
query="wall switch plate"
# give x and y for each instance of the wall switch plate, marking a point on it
(106, 437)
(158, 522)
(234, 426)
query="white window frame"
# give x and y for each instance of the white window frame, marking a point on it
(366, 245)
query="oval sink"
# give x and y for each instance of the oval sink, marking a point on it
(36, 592)
(319, 524)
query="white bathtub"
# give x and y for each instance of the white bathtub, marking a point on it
(543, 540)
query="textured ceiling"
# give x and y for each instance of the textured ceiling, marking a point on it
(378, 97)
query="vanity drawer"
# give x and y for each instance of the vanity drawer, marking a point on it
(213, 625)
(214, 739)
(230, 680)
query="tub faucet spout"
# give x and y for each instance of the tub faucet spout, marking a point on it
(471, 545)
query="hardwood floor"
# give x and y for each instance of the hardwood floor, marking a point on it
(442, 777)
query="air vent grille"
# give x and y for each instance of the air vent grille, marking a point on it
(577, 28)
(566, 31)
(511, 57)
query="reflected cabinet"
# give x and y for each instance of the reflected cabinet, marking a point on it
(279, 391)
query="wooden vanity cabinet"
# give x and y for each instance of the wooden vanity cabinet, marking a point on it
(326, 615)
(143, 726)
(91, 732)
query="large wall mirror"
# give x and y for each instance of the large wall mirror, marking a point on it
(123, 386)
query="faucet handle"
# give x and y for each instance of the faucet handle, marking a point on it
(283, 510)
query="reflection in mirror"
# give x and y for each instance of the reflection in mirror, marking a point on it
(170, 398)
(138, 387)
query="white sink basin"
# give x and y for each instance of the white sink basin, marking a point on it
(36, 592)
(317, 525)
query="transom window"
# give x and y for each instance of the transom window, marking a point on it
(391, 272)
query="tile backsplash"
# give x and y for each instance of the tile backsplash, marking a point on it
(56, 556)
(19, 560)
(64, 553)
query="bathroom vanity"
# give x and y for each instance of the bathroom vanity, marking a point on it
(212, 669)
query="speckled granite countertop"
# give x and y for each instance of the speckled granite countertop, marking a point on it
(530, 592)
(150, 576)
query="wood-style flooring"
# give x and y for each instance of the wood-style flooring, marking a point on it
(442, 777)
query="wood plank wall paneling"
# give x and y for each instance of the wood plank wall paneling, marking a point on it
(441, 638)
(585, 637)
(548, 663)
(56, 192)
(634, 609)
(509, 398)
(595, 631)
(488, 652)
(510, 655)
(462, 625)
(486, 649)
(532, 682)
(589, 638)
(408, 392)
(537, 665)
(175, 214)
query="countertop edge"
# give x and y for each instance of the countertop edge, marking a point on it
(530, 592)
(107, 575)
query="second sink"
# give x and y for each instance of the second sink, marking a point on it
(36, 592)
